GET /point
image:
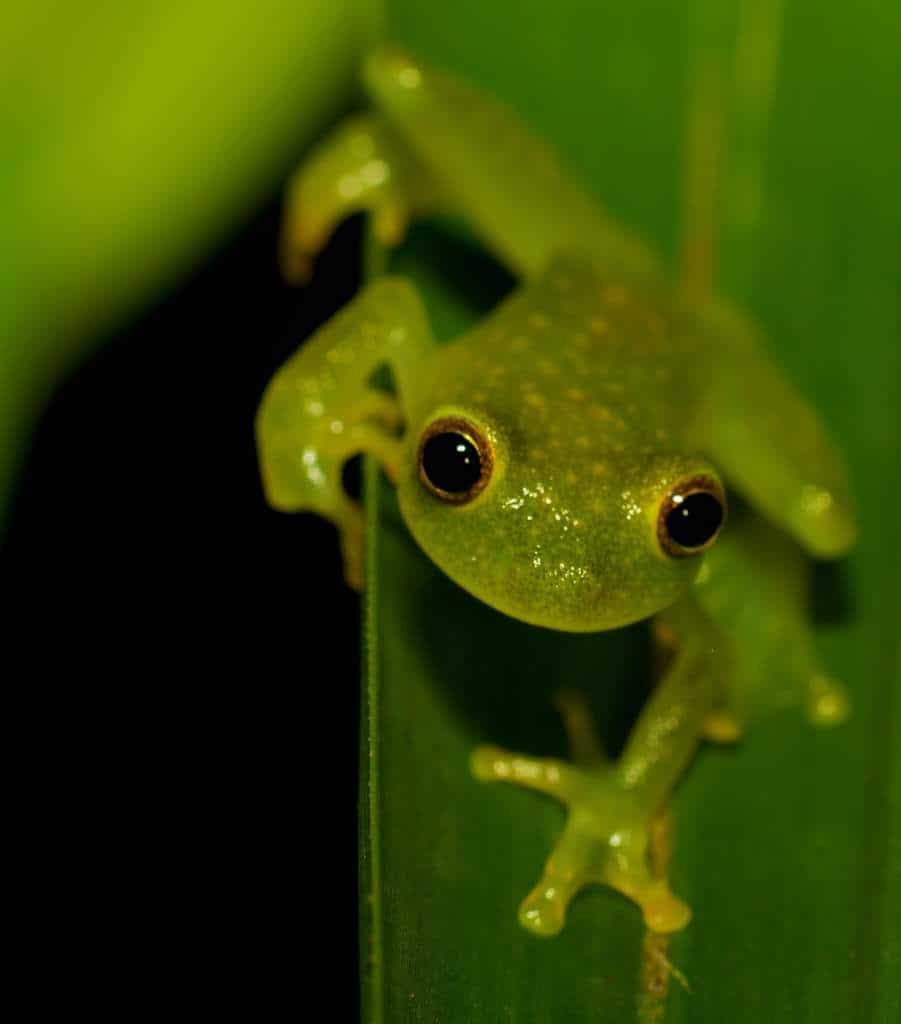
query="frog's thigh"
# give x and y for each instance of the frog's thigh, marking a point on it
(502, 178)
(362, 165)
(772, 445)
(722, 723)
(755, 586)
(320, 408)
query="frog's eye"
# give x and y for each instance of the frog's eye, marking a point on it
(691, 516)
(455, 460)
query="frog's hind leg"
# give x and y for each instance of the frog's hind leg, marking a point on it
(434, 143)
(755, 584)
(361, 166)
(762, 433)
(507, 183)
(770, 443)
(614, 807)
(585, 745)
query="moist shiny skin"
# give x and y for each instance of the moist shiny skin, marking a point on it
(592, 394)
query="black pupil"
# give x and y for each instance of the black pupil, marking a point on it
(695, 519)
(451, 462)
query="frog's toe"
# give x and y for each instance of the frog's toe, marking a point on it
(722, 726)
(628, 872)
(544, 774)
(304, 234)
(575, 863)
(605, 842)
(584, 743)
(353, 544)
(664, 912)
(827, 701)
(543, 911)
(352, 170)
(296, 264)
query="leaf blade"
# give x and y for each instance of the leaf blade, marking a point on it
(788, 848)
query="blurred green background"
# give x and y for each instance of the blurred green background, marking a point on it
(135, 140)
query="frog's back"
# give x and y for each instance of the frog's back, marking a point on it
(584, 357)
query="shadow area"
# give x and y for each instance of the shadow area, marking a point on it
(443, 259)
(832, 599)
(499, 676)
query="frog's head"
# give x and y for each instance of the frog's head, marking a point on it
(557, 535)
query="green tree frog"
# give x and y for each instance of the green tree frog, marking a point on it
(567, 460)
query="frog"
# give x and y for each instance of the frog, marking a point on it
(567, 460)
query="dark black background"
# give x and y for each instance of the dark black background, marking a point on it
(182, 667)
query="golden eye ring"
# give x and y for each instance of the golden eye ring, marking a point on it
(691, 516)
(455, 459)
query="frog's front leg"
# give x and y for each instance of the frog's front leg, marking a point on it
(612, 806)
(321, 408)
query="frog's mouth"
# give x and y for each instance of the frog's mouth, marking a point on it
(535, 565)
(567, 599)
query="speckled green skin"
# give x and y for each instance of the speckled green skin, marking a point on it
(573, 379)
(598, 390)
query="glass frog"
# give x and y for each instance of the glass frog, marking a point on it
(567, 460)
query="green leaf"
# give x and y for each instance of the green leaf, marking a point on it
(788, 847)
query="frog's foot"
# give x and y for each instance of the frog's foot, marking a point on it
(360, 167)
(605, 841)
